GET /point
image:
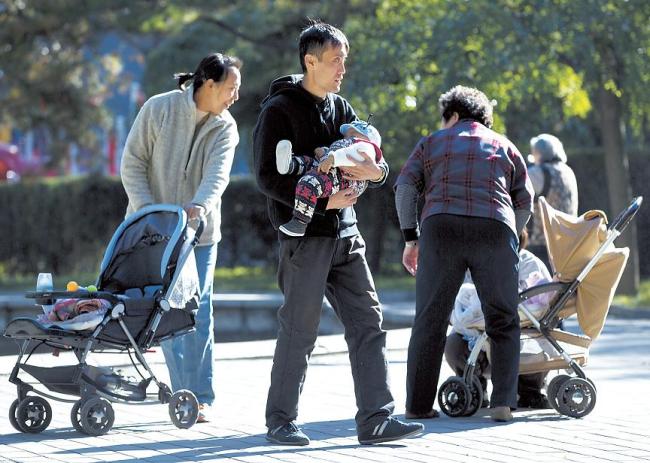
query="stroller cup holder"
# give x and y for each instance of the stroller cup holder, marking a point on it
(45, 301)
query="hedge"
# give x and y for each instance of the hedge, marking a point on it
(63, 225)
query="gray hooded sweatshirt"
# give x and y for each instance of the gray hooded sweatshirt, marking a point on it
(160, 164)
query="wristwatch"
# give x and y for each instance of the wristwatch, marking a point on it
(411, 244)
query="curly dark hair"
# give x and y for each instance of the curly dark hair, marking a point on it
(468, 102)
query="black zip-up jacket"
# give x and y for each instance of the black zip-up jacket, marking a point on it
(290, 112)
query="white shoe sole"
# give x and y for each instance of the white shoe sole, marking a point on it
(273, 440)
(283, 156)
(379, 440)
(289, 232)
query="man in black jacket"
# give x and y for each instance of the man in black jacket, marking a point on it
(330, 258)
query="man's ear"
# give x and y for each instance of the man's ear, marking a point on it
(310, 61)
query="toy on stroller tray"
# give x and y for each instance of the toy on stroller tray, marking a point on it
(148, 288)
(587, 269)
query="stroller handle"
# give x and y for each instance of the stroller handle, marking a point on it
(199, 227)
(624, 218)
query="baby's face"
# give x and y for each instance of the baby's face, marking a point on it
(352, 132)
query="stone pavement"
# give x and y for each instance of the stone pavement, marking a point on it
(617, 430)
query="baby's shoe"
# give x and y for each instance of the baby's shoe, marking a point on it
(283, 156)
(294, 227)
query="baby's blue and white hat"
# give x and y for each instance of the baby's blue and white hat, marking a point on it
(365, 128)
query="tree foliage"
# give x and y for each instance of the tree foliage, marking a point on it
(575, 68)
(51, 75)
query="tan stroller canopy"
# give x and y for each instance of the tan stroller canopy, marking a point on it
(572, 242)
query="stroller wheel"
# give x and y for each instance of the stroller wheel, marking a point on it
(553, 388)
(576, 398)
(96, 416)
(12, 415)
(33, 414)
(183, 409)
(454, 397)
(75, 415)
(476, 391)
(589, 380)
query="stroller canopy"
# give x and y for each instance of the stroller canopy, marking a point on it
(144, 249)
(572, 242)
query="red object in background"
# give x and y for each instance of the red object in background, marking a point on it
(13, 166)
(9, 161)
(112, 167)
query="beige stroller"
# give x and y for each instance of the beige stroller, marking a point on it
(587, 268)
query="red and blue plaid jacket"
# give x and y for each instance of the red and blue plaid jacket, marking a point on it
(469, 170)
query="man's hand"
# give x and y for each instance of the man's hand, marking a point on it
(326, 165)
(342, 199)
(410, 259)
(367, 169)
(194, 211)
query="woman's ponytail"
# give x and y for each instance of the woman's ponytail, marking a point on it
(214, 66)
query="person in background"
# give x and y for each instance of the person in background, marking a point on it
(180, 151)
(553, 179)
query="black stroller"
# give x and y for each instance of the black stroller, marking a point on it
(148, 275)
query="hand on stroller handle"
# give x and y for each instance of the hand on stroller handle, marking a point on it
(198, 223)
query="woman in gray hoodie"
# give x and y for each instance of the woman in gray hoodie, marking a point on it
(180, 151)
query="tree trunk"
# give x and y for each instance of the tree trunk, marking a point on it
(618, 182)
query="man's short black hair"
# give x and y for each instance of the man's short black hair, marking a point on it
(468, 102)
(315, 38)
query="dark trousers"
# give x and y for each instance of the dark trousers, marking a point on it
(457, 352)
(448, 246)
(309, 268)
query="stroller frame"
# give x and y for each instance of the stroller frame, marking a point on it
(571, 396)
(92, 414)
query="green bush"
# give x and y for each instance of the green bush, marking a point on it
(60, 225)
(63, 225)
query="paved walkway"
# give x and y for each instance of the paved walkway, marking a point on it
(617, 430)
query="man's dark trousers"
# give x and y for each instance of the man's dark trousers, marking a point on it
(309, 268)
(448, 246)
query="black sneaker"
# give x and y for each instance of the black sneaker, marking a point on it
(388, 430)
(287, 434)
(294, 227)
